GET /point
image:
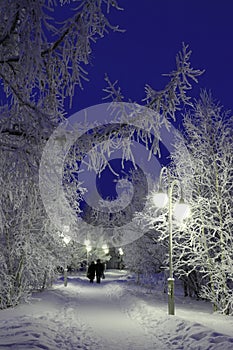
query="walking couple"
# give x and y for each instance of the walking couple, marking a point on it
(95, 270)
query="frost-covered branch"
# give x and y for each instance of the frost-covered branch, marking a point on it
(41, 62)
(206, 170)
(167, 101)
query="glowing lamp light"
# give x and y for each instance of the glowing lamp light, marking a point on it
(87, 242)
(105, 248)
(160, 199)
(88, 248)
(66, 239)
(120, 250)
(181, 210)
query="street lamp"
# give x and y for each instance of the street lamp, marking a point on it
(88, 249)
(66, 240)
(120, 250)
(106, 251)
(121, 253)
(105, 248)
(180, 211)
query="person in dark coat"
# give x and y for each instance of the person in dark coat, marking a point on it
(99, 270)
(91, 272)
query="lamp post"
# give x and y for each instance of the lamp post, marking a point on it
(180, 211)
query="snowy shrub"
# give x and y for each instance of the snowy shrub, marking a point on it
(145, 256)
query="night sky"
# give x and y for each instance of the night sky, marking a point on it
(154, 33)
(155, 30)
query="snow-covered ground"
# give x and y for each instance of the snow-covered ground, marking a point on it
(117, 314)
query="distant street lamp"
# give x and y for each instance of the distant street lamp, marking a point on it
(66, 240)
(105, 248)
(120, 250)
(180, 211)
(106, 251)
(121, 253)
(88, 249)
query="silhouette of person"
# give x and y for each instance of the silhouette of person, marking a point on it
(99, 270)
(91, 272)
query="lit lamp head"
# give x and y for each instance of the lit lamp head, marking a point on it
(66, 228)
(87, 242)
(181, 210)
(105, 248)
(120, 250)
(66, 239)
(88, 245)
(160, 199)
(88, 248)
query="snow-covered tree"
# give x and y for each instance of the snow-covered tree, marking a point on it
(206, 170)
(202, 161)
(41, 62)
(29, 244)
(145, 256)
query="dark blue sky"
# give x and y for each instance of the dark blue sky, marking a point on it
(155, 30)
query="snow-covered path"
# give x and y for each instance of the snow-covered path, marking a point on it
(101, 309)
(113, 315)
(80, 316)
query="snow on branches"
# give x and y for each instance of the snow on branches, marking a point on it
(42, 60)
(208, 172)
